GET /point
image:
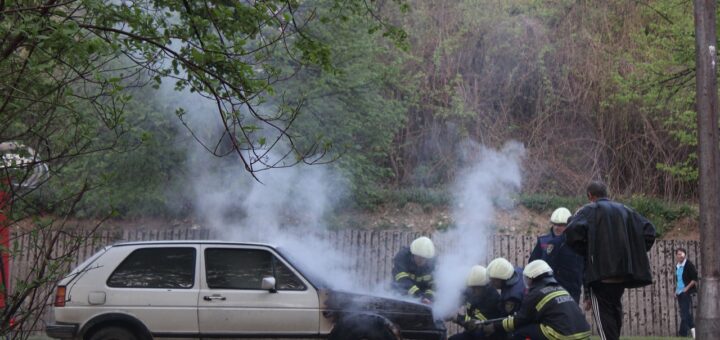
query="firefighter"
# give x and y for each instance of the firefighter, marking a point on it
(481, 303)
(413, 270)
(567, 265)
(508, 280)
(547, 312)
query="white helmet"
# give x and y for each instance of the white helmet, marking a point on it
(423, 247)
(500, 268)
(560, 216)
(536, 268)
(478, 277)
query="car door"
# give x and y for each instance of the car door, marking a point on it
(158, 285)
(232, 302)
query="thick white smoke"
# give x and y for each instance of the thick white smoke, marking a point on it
(488, 182)
(285, 207)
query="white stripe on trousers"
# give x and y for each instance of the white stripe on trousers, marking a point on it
(596, 314)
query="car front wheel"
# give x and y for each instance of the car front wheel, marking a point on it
(364, 329)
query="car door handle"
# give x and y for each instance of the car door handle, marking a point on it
(214, 297)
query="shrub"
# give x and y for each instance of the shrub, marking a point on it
(661, 213)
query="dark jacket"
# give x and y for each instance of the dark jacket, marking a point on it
(689, 274)
(484, 306)
(409, 279)
(512, 293)
(552, 307)
(614, 239)
(566, 264)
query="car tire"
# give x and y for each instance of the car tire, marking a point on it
(363, 329)
(113, 333)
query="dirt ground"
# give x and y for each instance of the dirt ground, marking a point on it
(684, 229)
(519, 220)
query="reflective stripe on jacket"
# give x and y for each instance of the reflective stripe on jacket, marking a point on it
(409, 279)
(566, 264)
(553, 309)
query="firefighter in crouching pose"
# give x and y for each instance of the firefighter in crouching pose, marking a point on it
(547, 311)
(481, 304)
(413, 270)
(508, 280)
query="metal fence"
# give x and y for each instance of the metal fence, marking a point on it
(649, 311)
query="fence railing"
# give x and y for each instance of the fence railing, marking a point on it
(648, 311)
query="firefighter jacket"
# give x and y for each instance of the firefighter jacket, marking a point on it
(566, 264)
(409, 279)
(511, 293)
(483, 306)
(551, 306)
(614, 239)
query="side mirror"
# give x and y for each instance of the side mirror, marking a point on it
(268, 283)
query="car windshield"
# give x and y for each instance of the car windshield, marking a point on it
(304, 268)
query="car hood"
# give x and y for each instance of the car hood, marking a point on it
(407, 315)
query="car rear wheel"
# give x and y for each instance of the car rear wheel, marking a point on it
(113, 333)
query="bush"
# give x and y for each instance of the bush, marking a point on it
(422, 196)
(661, 213)
(543, 203)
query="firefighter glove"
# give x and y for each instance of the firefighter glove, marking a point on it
(470, 325)
(488, 329)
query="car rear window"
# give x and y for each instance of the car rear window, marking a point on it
(231, 268)
(171, 267)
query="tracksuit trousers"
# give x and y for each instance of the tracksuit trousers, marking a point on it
(607, 308)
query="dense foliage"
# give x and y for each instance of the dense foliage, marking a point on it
(593, 90)
(116, 97)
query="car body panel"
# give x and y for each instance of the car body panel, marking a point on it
(306, 310)
(177, 307)
(245, 311)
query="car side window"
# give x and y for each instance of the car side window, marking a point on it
(285, 278)
(227, 268)
(171, 267)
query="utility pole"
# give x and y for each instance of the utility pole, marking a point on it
(708, 321)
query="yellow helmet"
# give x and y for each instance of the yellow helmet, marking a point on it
(423, 247)
(560, 216)
(500, 268)
(478, 277)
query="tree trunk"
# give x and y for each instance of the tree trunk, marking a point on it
(708, 320)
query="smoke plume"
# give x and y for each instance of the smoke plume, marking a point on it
(287, 206)
(487, 183)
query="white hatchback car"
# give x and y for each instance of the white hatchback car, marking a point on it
(209, 289)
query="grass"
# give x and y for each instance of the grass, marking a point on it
(40, 337)
(643, 338)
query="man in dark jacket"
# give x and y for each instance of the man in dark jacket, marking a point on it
(614, 240)
(567, 265)
(547, 311)
(686, 278)
(413, 270)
